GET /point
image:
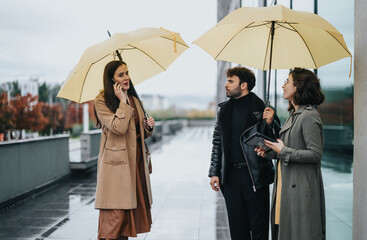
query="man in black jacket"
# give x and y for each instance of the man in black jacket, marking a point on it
(243, 176)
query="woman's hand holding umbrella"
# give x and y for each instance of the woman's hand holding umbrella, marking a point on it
(269, 115)
(149, 123)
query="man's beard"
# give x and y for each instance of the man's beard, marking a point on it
(234, 93)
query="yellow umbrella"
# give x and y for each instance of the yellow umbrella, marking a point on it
(274, 37)
(147, 52)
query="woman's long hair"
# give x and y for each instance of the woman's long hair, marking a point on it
(111, 100)
(309, 90)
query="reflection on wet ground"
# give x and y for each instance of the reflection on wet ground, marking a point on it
(44, 213)
(184, 205)
(337, 169)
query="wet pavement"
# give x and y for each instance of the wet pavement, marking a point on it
(184, 205)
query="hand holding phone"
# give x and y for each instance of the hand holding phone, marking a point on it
(119, 92)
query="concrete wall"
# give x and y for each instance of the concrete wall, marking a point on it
(360, 122)
(90, 145)
(27, 165)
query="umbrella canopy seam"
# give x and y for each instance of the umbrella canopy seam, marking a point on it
(81, 93)
(339, 43)
(313, 59)
(350, 55)
(145, 54)
(232, 39)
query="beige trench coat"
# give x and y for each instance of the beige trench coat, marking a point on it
(116, 172)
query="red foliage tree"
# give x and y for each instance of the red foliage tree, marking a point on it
(27, 114)
(6, 113)
(54, 115)
(38, 121)
(74, 115)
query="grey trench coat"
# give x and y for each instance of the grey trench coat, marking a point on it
(302, 204)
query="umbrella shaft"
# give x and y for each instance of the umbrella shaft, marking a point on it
(271, 55)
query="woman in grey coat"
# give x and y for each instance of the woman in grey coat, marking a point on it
(298, 202)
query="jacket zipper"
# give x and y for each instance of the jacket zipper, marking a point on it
(248, 167)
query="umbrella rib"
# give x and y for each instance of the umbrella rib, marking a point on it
(304, 43)
(81, 92)
(281, 25)
(247, 26)
(251, 26)
(266, 51)
(339, 42)
(147, 55)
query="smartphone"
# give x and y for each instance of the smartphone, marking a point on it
(113, 80)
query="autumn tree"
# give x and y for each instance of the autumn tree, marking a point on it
(74, 115)
(54, 116)
(6, 113)
(37, 121)
(28, 115)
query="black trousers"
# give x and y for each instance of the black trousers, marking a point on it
(248, 211)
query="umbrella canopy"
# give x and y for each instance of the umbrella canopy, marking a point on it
(301, 39)
(147, 52)
(274, 37)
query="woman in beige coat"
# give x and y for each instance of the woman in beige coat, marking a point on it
(123, 194)
(298, 203)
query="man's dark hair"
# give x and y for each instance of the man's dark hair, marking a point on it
(244, 74)
(308, 88)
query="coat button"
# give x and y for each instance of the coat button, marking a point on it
(122, 115)
(293, 185)
(113, 148)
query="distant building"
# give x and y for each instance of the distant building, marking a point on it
(154, 102)
(29, 87)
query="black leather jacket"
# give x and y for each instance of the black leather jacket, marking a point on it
(261, 169)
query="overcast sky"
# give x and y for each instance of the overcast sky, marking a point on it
(45, 38)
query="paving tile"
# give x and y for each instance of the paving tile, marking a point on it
(169, 233)
(48, 214)
(19, 232)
